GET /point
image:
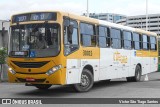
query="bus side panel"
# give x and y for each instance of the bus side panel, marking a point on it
(153, 61)
(107, 66)
(122, 59)
(78, 60)
(73, 70)
(76, 66)
(146, 61)
(94, 63)
(135, 59)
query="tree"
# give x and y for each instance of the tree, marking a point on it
(3, 55)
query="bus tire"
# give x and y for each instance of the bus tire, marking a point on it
(129, 79)
(87, 81)
(137, 76)
(43, 86)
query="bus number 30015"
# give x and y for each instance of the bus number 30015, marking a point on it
(87, 53)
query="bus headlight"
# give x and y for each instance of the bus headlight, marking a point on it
(11, 71)
(54, 69)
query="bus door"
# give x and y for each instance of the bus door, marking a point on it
(71, 45)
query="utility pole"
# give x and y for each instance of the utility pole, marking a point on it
(146, 76)
(146, 15)
(87, 8)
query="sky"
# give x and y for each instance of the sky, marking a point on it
(125, 7)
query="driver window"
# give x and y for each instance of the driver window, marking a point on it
(70, 36)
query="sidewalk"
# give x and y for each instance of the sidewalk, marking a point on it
(4, 81)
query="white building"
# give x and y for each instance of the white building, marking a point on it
(140, 22)
(111, 17)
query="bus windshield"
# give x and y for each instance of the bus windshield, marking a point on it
(38, 40)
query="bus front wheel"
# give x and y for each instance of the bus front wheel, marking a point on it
(137, 76)
(42, 86)
(86, 81)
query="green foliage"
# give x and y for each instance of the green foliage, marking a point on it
(3, 55)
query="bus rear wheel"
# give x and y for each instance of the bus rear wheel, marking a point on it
(137, 76)
(86, 81)
(43, 86)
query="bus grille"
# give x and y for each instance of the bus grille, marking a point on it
(30, 64)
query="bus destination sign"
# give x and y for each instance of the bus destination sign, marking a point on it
(34, 17)
(20, 18)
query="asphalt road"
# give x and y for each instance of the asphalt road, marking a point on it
(118, 88)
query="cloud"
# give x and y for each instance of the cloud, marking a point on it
(20, 6)
(138, 9)
(126, 7)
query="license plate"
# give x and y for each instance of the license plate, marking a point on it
(30, 79)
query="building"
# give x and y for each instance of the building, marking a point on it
(140, 22)
(111, 17)
(4, 37)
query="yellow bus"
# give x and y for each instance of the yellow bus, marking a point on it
(54, 47)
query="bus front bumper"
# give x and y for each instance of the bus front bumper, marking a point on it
(36, 78)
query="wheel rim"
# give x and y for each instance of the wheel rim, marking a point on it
(85, 82)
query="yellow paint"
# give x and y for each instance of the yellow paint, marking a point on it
(57, 78)
(79, 54)
(120, 58)
(53, 79)
(60, 76)
(142, 53)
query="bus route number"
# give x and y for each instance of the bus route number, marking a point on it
(22, 18)
(87, 53)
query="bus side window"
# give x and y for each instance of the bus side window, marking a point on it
(137, 41)
(104, 39)
(145, 42)
(88, 34)
(70, 36)
(116, 40)
(153, 43)
(127, 38)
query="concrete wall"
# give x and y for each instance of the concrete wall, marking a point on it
(5, 24)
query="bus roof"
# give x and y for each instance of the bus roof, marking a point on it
(96, 21)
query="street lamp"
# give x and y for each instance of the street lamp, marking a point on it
(146, 15)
